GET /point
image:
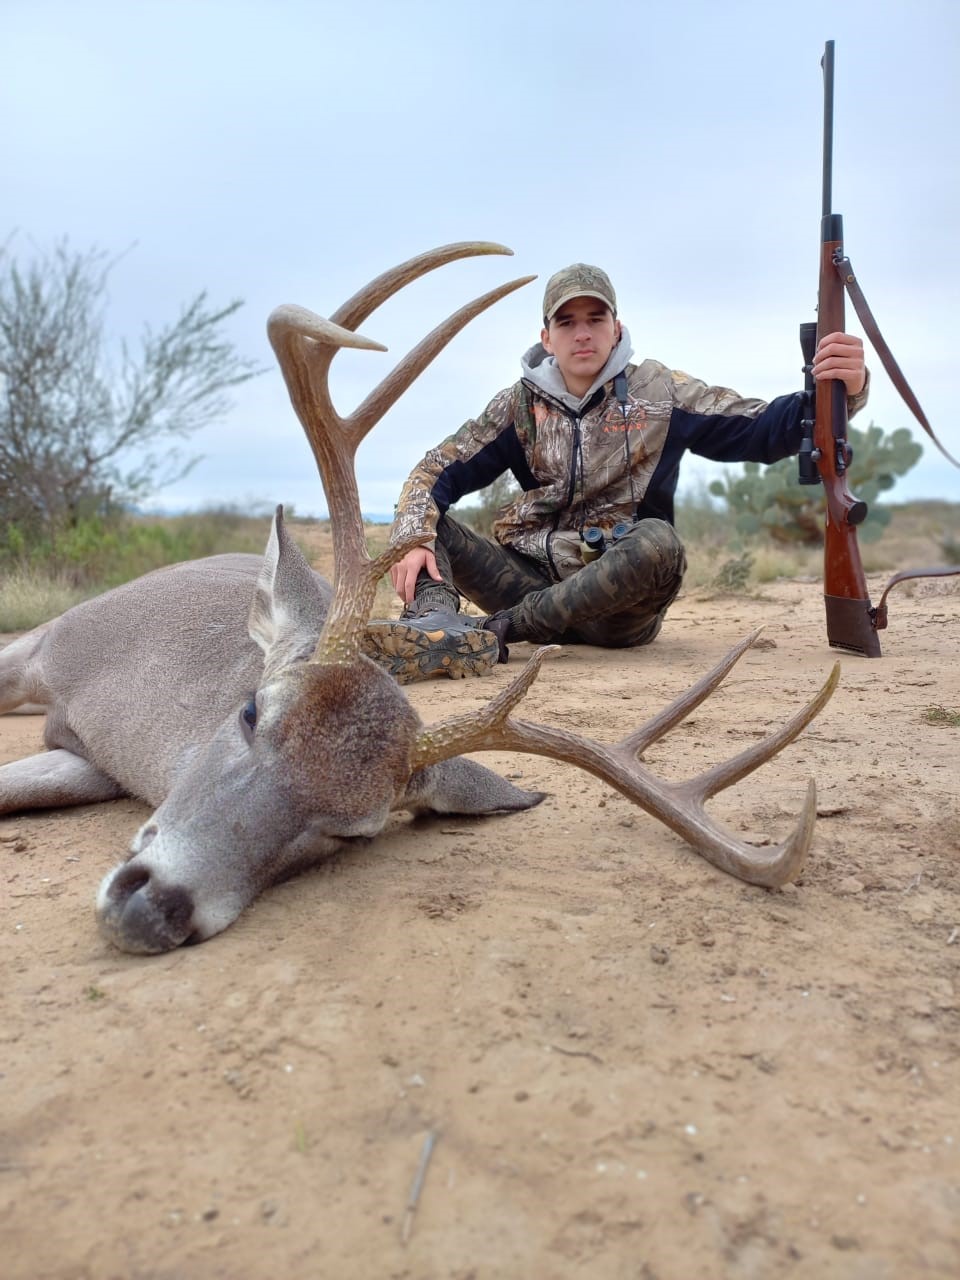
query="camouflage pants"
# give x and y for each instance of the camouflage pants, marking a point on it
(615, 601)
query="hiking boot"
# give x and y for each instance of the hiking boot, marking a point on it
(499, 625)
(437, 643)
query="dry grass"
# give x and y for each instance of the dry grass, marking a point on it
(919, 534)
(28, 598)
(915, 536)
(315, 540)
(940, 715)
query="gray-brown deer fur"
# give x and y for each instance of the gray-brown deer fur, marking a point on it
(232, 694)
(145, 689)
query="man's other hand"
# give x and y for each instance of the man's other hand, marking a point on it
(405, 572)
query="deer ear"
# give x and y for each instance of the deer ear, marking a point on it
(459, 785)
(289, 603)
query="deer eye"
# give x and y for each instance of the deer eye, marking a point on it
(248, 719)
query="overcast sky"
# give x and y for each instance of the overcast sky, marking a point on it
(290, 151)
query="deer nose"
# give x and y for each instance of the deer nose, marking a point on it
(137, 913)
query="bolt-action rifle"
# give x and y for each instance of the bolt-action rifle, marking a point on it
(825, 453)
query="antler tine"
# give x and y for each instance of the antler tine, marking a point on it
(724, 775)
(306, 371)
(305, 345)
(390, 388)
(366, 300)
(458, 734)
(680, 708)
(678, 806)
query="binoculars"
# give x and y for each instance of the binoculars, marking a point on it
(595, 542)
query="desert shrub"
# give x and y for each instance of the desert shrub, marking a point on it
(485, 505)
(99, 552)
(701, 520)
(733, 575)
(86, 429)
(39, 579)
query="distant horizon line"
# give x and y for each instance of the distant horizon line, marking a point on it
(254, 512)
(265, 511)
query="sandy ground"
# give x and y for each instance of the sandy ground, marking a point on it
(631, 1065)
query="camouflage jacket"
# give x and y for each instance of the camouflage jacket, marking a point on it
(597, 464)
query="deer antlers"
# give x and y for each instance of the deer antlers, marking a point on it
(305, 345)
(679, 806)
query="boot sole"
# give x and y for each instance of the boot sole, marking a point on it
(410, 654)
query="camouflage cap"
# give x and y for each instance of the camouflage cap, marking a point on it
(577, 281)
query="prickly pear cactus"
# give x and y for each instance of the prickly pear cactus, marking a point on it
(770, 500)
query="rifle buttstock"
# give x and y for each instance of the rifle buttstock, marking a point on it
(850, 626)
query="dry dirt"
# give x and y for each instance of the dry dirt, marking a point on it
(632, 1065)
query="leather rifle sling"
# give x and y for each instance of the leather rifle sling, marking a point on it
(895, 374)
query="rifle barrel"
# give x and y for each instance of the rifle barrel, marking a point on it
(827, 64)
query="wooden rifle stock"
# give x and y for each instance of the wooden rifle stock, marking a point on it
(850, 621)
(825, 453)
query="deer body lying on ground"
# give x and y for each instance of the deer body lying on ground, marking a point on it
(259, 762)
(232, 694)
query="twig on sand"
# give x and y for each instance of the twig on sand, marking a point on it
(575, 1053)
(429, 1142)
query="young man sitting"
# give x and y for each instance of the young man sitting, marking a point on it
(595, 443)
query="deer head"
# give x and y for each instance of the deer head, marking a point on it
(322, 750)
(329, 744)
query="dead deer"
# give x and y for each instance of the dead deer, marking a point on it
(231, 693)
